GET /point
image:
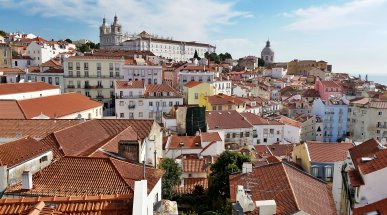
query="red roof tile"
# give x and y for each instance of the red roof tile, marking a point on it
(190, 184)
(194, 166)
(12, 70)
(226, 120)
(222, 99)
(379, 206)
(365, 149)
(14, 88)
(57, 105)
(210, 136)
(378, 162)
(328, 152)
(292, 189)
(287, 121)
(330, 84)
(355, 178)
(192, 84)
(21, 150)
(189, 142)
(10, 109)
(51, 63)
(129, 84)
(257, 120)
(160, 88)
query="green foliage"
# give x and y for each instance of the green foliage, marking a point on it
(68, 40)
(217, 58)
(88, 47)
(229, 162)
(196, 55)
(171, 178)
(261, 62)
(3, 33)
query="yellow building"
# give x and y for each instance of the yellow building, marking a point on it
(222, 102)
(194, 89)
(94, 76)
(304, 66)
(5, 56)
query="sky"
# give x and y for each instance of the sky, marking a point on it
(349, 34)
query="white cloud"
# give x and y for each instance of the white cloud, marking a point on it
(327, 17)
(182, 19)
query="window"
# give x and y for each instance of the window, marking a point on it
(43, 159)
(50, 80)
(150, 115)
(131, 116)
(121, 103)
(70, 65)
(150, 104)
(56, 80)
(140, 103)
(265, 140)
(196, 95)
(78, 65)
(380, 113)
(43, 79)
(85, 66)
(247, 134)
(241, 134)
(121, 115)
(170, 104)
(328, 173)
(140, 114)
(110, 66)
(233, 135)
(228, 135)
(315, 171)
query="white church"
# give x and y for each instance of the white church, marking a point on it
(112, 37)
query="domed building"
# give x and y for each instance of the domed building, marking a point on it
(267, 54)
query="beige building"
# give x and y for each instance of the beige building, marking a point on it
(304, 66)
(367, 119)
(5, 56)
(94, 76)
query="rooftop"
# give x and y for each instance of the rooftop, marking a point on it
(14, 88)
(226, 120)
(327, 152)
(129, 84)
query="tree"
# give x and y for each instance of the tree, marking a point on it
(227, 56)
(196, 55)
(171, 178)
(68, 40)
(84, 48)
(229, 162)
(261, 62)
(3, 33)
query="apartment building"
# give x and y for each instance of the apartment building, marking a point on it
(140, 69)
(94, 76)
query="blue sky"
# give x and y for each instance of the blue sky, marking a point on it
(349, 34)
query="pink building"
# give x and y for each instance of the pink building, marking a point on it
(328, 88)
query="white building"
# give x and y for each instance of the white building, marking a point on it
(265, 131)
(29, 90)
(197, 73)
(292, 129)
(112, 37)
(44, 51)
(135, 101)
(21, 62)
(222, 86)
(142, 70)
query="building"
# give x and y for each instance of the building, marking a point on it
(11, 75)
(367, 118)
(194, 173)
(44, 51)
(135, 101)
(265, 131)
(194, 90)
(21, 62)
(28, 90)
(222, 86)
(141, 70)
(333, 116)
(302, 67)
(279, 188)
(24, 154)
(5, 56)
(50, 75)
(328, 89)
(267, 54)
(292, 129)
(85, 176)
(112, 37)
(363, 187)
(94, 76)
(197, 73)
(222, 102)
(233, 128)
(248, 62)
(63, 106)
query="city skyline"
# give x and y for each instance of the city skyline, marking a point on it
(347, 34)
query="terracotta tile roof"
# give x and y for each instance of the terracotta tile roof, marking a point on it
(54, 70)
(21, 150)
(355, 178)
(57, 105)
(379, 206)
(192, 84)
(51, 63)
(328, 152)
(10, 109)
(115, 126)
(160, 88)
(257, 120)
(194, 165)
(190, 142)
(288, 121)
(33, 69)
(222, 99)
(13, 88)
(35, 128)
(121, 53)
(85, 176)
(292, 189)
(190, 184)
(94, 57)
(281, 149)
(210, 136)
(129, 84)
(330, 84)
(92, 205)
(11, 70)
(379, 162)
(199, 68)
(365, 149)
(226, 120)
(378, 104)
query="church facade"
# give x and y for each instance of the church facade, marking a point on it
(112, 37)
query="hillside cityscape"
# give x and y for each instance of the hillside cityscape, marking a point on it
(144, 123)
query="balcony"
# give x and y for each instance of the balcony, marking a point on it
(99, 86)
(131, 106)
(99, 97)
(70, 86)
(96, 76)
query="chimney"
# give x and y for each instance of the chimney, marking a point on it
(247, 167)
(27, 180)
(267, 207)
(140, 197)
(244, 199)
(3, 178)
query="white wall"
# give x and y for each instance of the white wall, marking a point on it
(31, 95)
(374, 188)
(292, 134)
